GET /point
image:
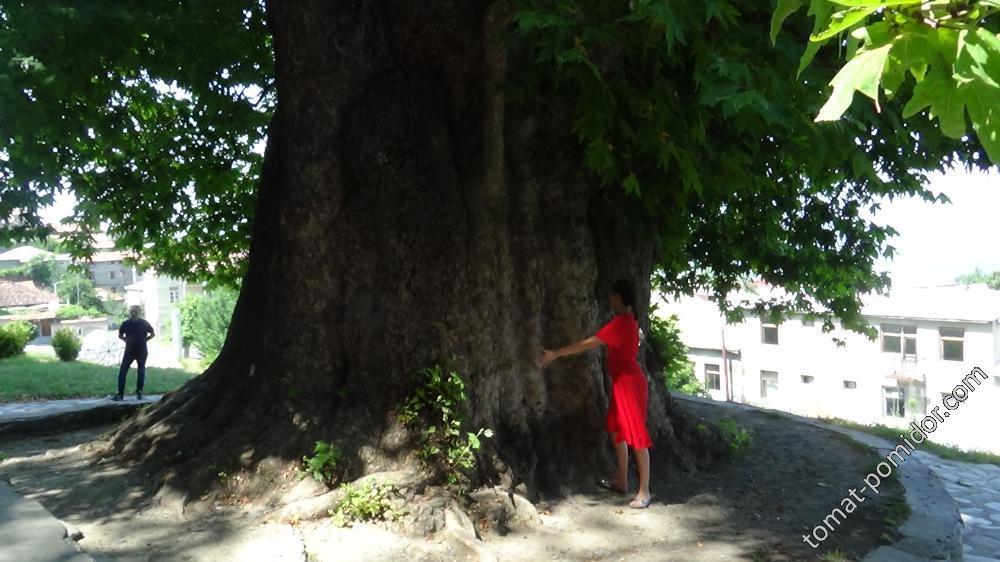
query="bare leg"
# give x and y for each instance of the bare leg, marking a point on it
(642, 461)
(621, 452)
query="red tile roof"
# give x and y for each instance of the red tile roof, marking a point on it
(23, 293)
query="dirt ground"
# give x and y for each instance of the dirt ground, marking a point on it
(755, 508)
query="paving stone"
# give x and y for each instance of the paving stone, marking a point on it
(890, 554)
(983, 542)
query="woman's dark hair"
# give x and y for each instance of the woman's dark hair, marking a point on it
(626, 290)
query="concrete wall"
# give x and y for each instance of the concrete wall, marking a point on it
(803, 350)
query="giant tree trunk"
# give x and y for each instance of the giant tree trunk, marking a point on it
(410, 216)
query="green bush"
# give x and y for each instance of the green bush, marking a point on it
(66, 344)
(29, 330)
(678, 372)
(205, 321)
(73, 311)
(12, 341)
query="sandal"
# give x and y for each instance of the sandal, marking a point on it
(607, 485)
(641, 504)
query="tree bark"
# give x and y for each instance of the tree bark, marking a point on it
(410, 215)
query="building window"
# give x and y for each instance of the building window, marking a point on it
(850, 385)
(895, 401)
(175, 294)
(808, 379)
(768, 383)
(769, 333)
(111, 274)
(713, 381)
(897, 338)
(952, 344)
(808, 322)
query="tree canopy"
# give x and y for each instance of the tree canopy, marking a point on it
(150, 112)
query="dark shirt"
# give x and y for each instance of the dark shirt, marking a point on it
(135, 332)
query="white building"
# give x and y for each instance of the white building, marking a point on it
(928, 340)
(22, 255)
(158, 295)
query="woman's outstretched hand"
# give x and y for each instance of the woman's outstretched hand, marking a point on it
(546, 358)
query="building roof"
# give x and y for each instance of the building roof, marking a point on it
(24, 254)
(23, 293)
(99, 257)
(960, 303)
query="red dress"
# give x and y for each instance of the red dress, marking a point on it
(629, 389)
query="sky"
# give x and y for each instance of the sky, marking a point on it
(936, 242)
(940, 241)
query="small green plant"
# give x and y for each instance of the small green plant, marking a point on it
(370, 501)
(66, 344)
(738, 439)
(3, 457)
(439, 401)
(835, 556)
(324, 461)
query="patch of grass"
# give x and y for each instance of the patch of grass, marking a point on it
(944, 451)
(368, 502)
(42, 377)
(835, 556)
(3, 457)
(738, 439)
(895, 512)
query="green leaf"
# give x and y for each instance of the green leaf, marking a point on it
(978, 57)
(631, 185)
(984, 111)
(784, 9)
(945, 99)
(841, 21)
(875, 3)
(862, 74)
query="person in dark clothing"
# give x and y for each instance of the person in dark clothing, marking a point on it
(135, 332)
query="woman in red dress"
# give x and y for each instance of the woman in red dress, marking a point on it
(626, 422)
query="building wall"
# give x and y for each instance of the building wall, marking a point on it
(804, 350)
(158, 295)
(110, 275)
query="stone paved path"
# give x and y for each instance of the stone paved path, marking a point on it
(976, 488)
(14, 411)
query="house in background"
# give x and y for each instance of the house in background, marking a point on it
(108, 270)
(22, 300)
(21, 255)
(928, 340)
(159, 295)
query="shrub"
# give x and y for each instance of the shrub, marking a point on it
(323, 462)
(66, 344)
(12, 341)
(368, 502)
(71, 311)
(678, 372)
(29, 330)
(205, 321)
